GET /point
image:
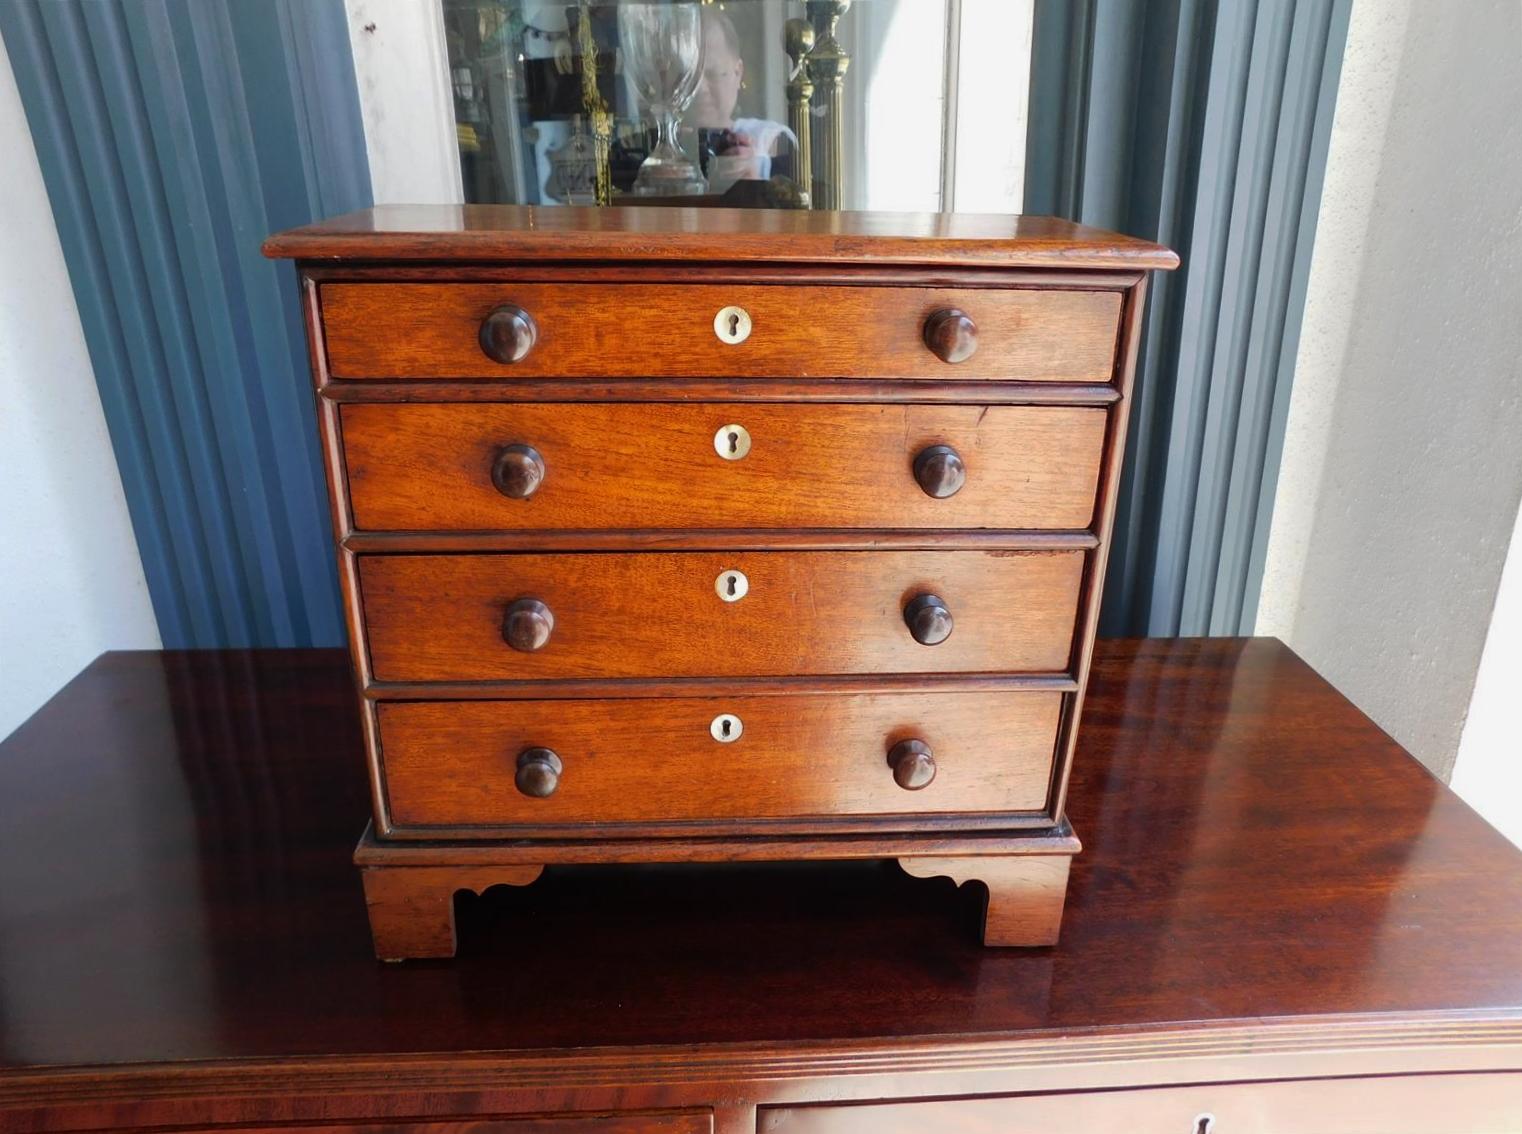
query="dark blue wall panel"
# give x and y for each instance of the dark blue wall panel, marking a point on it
(1203, 124)
(174, 135)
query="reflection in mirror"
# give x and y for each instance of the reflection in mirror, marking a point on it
(761, 103)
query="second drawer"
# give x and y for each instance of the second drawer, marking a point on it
(717, 614)
(613, 465)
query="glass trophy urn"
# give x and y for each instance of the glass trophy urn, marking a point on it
(663, 57)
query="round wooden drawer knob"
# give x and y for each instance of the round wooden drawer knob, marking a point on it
(538, 772)
(913, 764)
(527, 625)
(518, 471)
(929, 619)
(508, 333)
(940, 471)
(951, 335)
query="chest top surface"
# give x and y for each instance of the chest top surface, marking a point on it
(712, 235)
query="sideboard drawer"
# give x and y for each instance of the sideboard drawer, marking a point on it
(652, 760)
(661, 466)
(717, 614)
(663, 1122)
(429, 330)
(1410, 1104)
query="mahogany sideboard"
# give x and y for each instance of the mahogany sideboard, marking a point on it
(1280, 922)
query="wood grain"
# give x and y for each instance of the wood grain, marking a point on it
(186, 945)
(439, 617)
(627, 762)
(1023, 895)
(423, 330)
(518, 233)
(412, 909)
(644, 467)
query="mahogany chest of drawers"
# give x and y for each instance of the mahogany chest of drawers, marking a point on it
(713, 535)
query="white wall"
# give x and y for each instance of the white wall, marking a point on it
(1402, 470)
(401, 68)
(71, 582)
(1488, 771)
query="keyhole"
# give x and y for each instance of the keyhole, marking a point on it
(731, 586)
(1204, 1124)
(731, 325)
(731, 441)
(726, 728)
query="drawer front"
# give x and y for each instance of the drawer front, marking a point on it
(426, 330)
(1411, 1104)
(441, 617)
(657, 760)
(430, 467)
(666, 1122)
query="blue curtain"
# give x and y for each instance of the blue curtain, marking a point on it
(1203, 125)
(173, 136)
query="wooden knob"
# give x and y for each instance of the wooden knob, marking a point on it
(928, 619)
(951, 335)
(518, 471)
(527, 625)
(913, 764)
(539, 772)
(940, 471)
(508, 333)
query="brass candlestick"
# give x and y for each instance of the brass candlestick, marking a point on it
(798, 41)
(827, 65)
(598, 117)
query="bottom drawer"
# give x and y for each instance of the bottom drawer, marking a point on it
(662, 760)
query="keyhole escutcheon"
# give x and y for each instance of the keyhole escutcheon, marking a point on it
(732, 325)
(732, 585)
(732, 442)
(726, 728)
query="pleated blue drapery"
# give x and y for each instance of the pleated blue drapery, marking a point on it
(1204, 125)
(174, 135)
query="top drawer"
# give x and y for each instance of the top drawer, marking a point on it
(427, 330)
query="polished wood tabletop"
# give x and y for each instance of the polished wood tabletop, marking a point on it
(175, 884)
(532, 233)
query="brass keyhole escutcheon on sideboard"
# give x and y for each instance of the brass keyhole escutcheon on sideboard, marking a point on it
(898, 418)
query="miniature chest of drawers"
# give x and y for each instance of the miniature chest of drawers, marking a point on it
(717, 535)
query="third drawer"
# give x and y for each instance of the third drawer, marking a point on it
(715, 614)
(761, 466)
